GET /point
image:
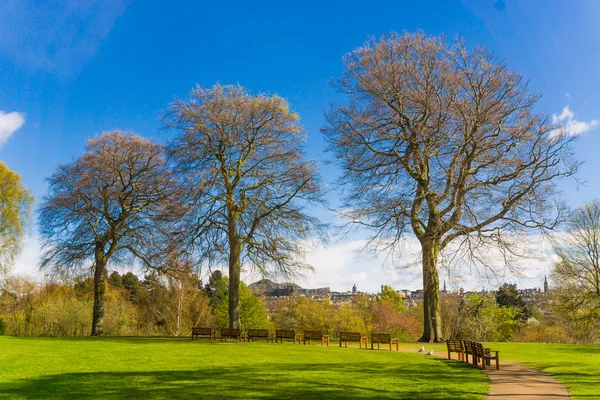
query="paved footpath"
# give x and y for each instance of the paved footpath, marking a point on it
(517, 382)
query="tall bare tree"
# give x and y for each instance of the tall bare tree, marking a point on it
(442, 142)
(15, 205)
(108, 205)
(577, 273)
(242, 162)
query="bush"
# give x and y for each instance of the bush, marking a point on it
(542, 334)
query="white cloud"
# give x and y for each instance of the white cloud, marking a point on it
(571, 126)
(9, 123)
(57, 36)
(26, 263)
(340, 266)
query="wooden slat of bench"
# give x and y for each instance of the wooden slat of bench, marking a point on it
(286, 334)
(380, 337)
(384, 338)
(316, 335)
(259, 333)
(231, 332)
(455, 346)
(199, 331)
(346, 337)
(313, 334)
(484, 354)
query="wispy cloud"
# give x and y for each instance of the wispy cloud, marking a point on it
(56, 36)
(571, 126)
(9, 124)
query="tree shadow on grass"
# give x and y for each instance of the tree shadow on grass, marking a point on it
(261, 381)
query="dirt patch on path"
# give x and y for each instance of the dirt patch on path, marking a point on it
(516, 382)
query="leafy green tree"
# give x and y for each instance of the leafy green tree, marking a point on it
(15, 206)
(508, 296)
(115, 280)
(389, 294)
(131, 283)
(486, 321)
(253, 313)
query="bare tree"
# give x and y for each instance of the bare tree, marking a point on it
(241, 160)
(442, 142)
(105, 206)
(15, 205)
(577, 274)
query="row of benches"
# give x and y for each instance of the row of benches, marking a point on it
(464, 347)
(280, 334)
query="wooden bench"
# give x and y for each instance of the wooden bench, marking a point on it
(197, 332)
(260, 333)
(468, 349)
(346, 337)
(456, 346)
(287, 334)
(232, 333)
(315, 335)
(384, 338)
(479, 352)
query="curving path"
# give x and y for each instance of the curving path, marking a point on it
(514, 381)
(517, 382)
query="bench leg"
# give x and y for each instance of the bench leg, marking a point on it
(497, 363)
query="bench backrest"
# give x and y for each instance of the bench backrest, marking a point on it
(230, 332)
(350, 336)
(258, 333)
(468, 345)
(313, 334)
(201, 331)
(381, 338)
(455, 345)
(477, 348)
(285, 333)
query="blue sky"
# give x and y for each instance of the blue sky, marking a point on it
(74, 68)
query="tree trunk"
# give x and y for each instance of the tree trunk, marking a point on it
(235, 267)
(432, 323)
(99, 290)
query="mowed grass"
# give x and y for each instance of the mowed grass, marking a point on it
(576, 366)
(166, 368)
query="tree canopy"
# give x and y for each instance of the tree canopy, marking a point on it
(577, 273)
(108, 205)
(247, 181)
(15, 207)
(441, 142)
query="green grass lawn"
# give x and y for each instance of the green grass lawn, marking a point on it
(175, 368)
(576, 366)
